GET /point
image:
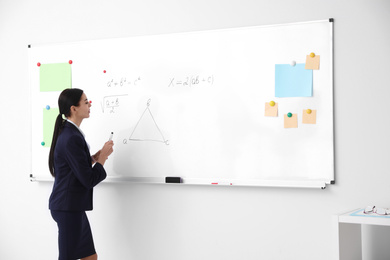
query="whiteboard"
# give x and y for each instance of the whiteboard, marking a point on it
(192, 105)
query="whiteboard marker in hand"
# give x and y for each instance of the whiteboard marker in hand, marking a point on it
(111, 135)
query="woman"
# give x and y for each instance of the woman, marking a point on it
(76, 173)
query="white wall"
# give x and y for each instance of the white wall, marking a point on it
(133, 221)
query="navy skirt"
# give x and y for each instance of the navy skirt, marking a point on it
(74, 235)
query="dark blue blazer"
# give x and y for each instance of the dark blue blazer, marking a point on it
(74, 175)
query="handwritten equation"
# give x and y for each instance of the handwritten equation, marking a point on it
(111, 103)
(123, 82)
(190, 81)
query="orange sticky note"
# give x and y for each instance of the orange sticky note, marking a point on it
(271, 110)
(291, 122)
(309, 118)
(312, 63)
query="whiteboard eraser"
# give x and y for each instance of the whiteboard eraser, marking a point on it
(172, 180)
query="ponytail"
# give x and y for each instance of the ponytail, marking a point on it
(68, 98)
(57, 129)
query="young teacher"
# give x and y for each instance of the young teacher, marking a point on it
(76, 172)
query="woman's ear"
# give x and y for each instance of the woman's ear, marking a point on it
(73, 109)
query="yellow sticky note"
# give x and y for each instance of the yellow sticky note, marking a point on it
(312, 63)
(291, 122)
(271, 110)
(309, 118)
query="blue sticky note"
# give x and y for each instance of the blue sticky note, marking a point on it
(293, 81)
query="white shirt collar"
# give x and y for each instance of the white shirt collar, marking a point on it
(70, 121)
(80, 131)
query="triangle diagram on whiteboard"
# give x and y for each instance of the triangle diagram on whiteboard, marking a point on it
(147, 129)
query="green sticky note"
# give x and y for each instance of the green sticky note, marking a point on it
(49, 119)
(55, 77)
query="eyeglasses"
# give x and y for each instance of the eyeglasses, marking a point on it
(379, 211)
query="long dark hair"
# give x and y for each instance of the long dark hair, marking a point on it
(68, 98)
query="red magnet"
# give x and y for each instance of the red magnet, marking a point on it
(38, 64)
(90, 101)
(104, 71)
(70, 61)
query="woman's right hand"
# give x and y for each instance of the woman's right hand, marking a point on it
(105, 152)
